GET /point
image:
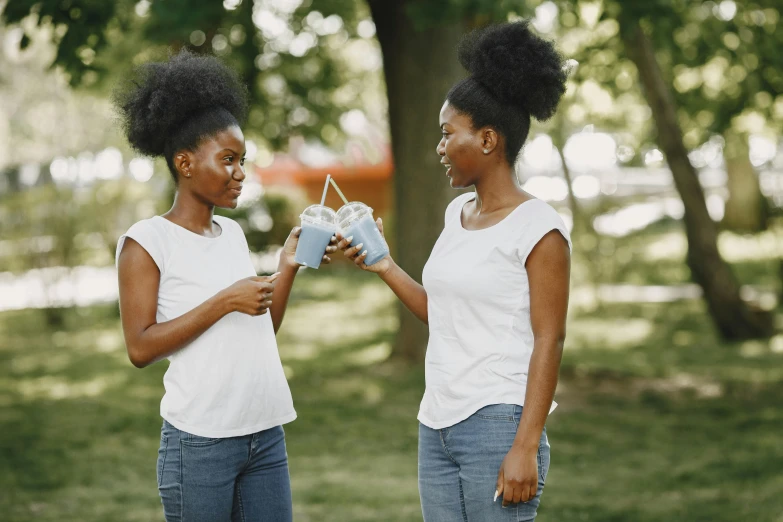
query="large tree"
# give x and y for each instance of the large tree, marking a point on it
(733, 317)
(292, 56)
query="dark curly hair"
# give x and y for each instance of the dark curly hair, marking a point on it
(514, 74)
(170, 106)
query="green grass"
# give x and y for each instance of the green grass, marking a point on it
(658, 420)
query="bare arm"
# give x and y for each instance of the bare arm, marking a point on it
(147, 340)
(548, 268)
(283, 287)
(287, 267)
(411, 293)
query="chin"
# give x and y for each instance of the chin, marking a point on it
(456, 184)
(230, 204)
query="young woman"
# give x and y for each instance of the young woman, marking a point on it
(495, 291)
(189, 294)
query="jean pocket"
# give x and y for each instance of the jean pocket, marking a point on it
(497, 412)
(198, 441)
(164, 446)
(543, 459)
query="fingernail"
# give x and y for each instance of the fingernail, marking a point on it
(496, 496)
(360, 245)
(349, 239)
(364, 253)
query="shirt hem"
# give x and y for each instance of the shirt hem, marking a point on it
(238, 432)
(472, 410)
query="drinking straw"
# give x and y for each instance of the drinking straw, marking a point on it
(340, 192)
(326, 187)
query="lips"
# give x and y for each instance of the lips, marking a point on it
(235, 191)
(448, 167)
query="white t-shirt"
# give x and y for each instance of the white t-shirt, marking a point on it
(229, 381)
(478, 306)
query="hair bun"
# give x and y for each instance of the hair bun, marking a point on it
(160, 97)
(515, 65)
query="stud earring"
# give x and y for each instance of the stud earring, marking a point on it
(486, 151)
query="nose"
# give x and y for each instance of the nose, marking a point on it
(239, 173)
(441, 148)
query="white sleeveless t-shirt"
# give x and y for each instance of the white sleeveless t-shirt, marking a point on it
(229, 381)
(478, 306)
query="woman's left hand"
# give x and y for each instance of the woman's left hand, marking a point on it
(518, 476)
(289, 249)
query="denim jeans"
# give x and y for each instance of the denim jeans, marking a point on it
(458, 468)
(234, 479)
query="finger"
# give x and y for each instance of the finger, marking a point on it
(351, 252)
(379, 222)
(331, 249)
(333, 241)
(266, 279)
(518, 494)
(345, 243)
(360, 259)
(338, 236)
(508, 495)
(533, 492)
(326, 260)
(267, 303)
(499, 484)
(296, 231)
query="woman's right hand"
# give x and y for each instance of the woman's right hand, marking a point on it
(357, 254)
(252, 295)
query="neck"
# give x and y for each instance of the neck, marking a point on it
(191, 213)
(497, 189)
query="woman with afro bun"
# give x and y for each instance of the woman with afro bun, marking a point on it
(495, 291)
(189, 294)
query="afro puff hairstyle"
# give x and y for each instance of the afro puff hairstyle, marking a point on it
(513, 75)
(171, 106)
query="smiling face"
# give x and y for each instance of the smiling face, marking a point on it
(460, 148)
(214, 172)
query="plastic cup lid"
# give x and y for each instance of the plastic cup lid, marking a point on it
(318, 214)
(351, 212)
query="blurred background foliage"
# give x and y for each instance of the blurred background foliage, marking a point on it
(664, 159)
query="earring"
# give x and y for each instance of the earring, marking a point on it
(486, 151)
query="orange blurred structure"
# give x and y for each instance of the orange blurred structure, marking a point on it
(359, 178)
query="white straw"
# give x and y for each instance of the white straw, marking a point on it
(326, 187)
(338, 191)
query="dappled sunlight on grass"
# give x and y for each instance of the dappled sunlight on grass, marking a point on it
(57, 388)
(657, 416)
(607, 334)
(353, 311)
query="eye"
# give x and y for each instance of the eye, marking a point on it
(229, 159)
(242, 162)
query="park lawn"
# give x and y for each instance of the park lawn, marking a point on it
(658, 420)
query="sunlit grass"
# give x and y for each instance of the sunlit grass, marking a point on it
(658, 419)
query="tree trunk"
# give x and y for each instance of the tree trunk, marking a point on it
(746, 208)
(420, 67)
(733, 317)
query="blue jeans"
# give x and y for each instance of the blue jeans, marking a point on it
(234, 479)
(458, 468)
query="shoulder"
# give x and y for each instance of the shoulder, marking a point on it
(539, 213)
(152, 225)
(455, 207)
(538, 218)
(150, 235)
(229, 225)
